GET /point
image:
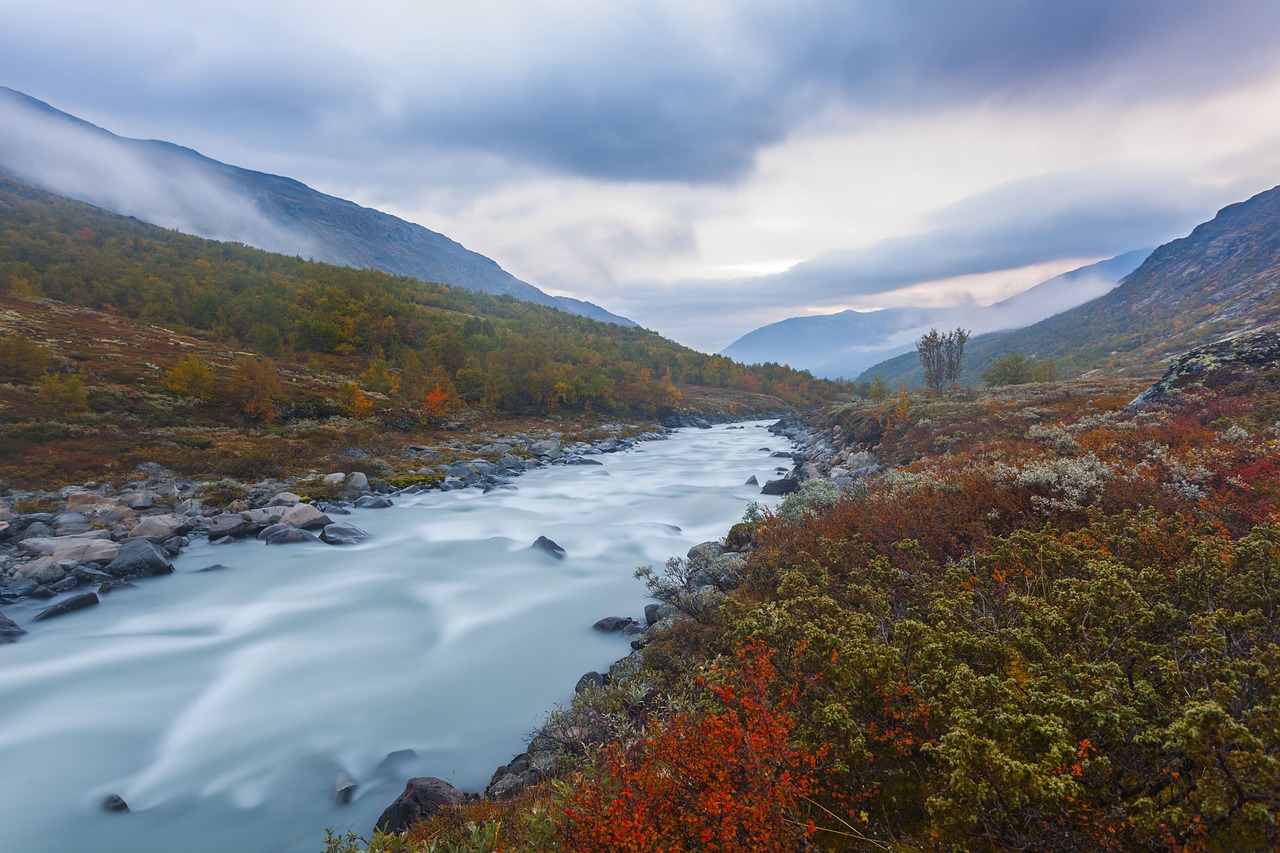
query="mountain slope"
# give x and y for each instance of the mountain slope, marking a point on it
(847, 343)
(175, 187)
(1222, 279)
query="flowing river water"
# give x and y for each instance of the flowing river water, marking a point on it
(222, 705)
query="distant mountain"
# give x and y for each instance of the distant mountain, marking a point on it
(847, 343)
(178, 188)
(1221, 280)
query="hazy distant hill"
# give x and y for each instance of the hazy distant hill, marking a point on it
(1222, 279)
(849, 342)
(178, 188)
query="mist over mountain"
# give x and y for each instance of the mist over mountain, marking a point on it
(847, 343)
(1221, 279)
(179, 188)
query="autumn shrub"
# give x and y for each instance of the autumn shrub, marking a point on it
(62, 395)
(190, 377)
(720, 779)
(22, 358)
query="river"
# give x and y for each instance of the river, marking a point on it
(222, 705)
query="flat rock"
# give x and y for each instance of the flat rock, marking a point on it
(422, 797)
(69, 605)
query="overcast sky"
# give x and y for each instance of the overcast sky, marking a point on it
(707, 167)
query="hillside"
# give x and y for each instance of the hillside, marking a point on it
(847, 343)
(121, 342)
(175, 187)
(1222, 279)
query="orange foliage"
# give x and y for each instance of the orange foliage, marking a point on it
(723, 780)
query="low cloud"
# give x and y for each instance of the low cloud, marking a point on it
(75, 159)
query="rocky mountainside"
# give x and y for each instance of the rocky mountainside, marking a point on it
(178, 188)
(845, 344)
(1222, 279)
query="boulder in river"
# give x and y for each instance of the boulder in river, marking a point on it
(283, 534)
(613, 623)
(545, 545)
(782, 486)
(343, 533)
(139, 558)
(422, 797)
(115, 803)
(69, 605)
(372, 502)
(344, 789)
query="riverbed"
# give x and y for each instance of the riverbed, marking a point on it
(222, 705)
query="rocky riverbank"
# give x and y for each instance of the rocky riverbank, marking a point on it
(65, 550)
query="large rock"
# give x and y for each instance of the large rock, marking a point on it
(548, 448)
(139, 558)
(305, 517)
(68, 605)
(343, 533)
(285, 535)
(422, 797)
(85, 548)
(230, 524)
(79, 501)
(357, 480)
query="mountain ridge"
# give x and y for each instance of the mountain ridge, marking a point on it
(177, 187)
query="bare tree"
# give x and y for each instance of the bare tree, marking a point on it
(953, 355)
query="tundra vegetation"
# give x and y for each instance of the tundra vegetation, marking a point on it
(1052, 624)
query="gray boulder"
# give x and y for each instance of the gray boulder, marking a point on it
(373, 502)
(230, 525)
(343, 533)
(139, 558)
(422, 797)
(285, 535)
(357, 480)
(115, 803)
(158, 528)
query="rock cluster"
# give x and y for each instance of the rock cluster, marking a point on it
(84, 541)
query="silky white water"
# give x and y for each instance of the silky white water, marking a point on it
(223, 705)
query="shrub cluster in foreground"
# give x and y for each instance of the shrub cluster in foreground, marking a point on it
(1065, 638)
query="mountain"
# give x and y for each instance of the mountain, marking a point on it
(1220, 280)
(178, 188)
(847, 343)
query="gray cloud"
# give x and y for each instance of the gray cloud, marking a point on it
(650, 93)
